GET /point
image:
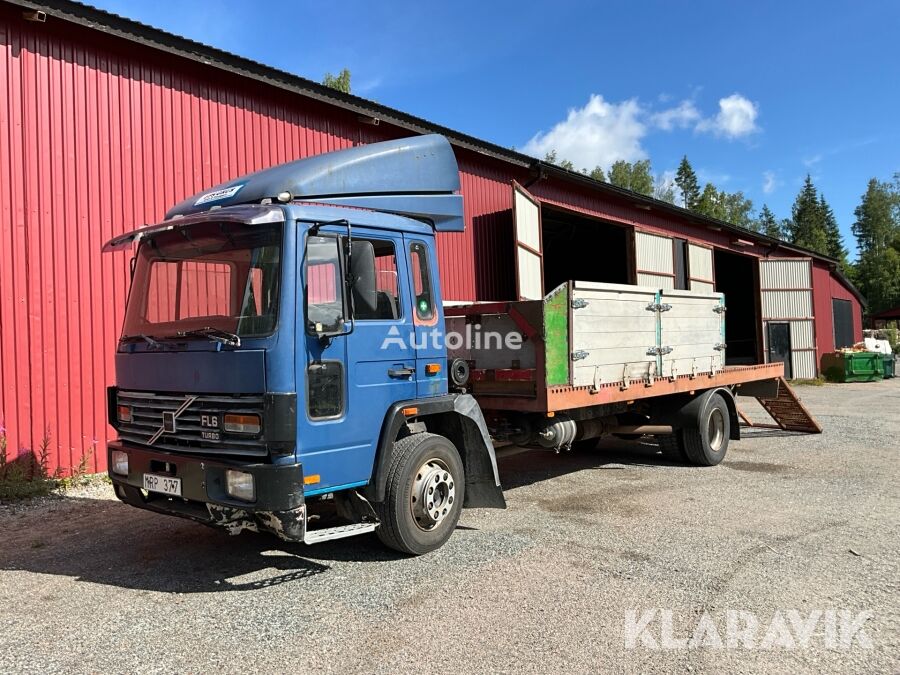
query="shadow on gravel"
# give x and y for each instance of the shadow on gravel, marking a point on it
(105, 542)
(534, 466)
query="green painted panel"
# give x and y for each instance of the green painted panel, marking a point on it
(556, 336)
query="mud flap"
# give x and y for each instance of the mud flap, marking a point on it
(482, 477)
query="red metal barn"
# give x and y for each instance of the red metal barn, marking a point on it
(105, 122)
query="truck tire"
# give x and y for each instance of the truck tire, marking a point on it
(424, 494)
(706, 443)
(672, 447)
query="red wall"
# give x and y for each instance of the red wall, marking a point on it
(826, 287)
(99, 136)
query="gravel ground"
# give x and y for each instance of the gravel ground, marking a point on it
(788, 525)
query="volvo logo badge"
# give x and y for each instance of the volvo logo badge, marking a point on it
(168, 420)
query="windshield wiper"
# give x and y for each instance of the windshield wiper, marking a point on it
(217, 334)
(141, 336)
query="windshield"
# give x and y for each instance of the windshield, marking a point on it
(206, 279)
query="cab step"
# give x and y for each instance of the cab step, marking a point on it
(339, 532)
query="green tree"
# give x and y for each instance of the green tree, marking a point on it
(709, 203)
(686, 180)
(833, 237)
(877, 232)
(550, 157)
(598, 174)
(736, 209)
(636, 177)
(664, 190)
(767, 224)
(341, 81)
(808, 221)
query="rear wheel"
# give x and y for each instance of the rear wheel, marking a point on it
(424, 497)
(707, 443)
(672, 447)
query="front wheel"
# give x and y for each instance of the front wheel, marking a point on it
(424, 497)
(707, 443)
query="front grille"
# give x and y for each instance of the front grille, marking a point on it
(147, 418)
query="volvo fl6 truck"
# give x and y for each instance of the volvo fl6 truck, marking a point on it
(282, 367)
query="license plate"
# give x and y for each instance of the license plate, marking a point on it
(164, 484)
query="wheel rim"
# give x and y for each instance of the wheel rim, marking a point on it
(716, 430)
(433, 494)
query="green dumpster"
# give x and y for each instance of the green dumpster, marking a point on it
(889, 362)
(853, 366)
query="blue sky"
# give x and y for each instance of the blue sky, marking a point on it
(757, 94)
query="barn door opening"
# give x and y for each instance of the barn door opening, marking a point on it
(529, 251)
(579, 248)
(737, 276)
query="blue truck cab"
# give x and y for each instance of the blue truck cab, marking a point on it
(281, 366)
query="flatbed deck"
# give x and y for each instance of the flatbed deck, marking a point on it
(555, 399)
(588, 344)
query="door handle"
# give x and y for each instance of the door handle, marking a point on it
(401, 372)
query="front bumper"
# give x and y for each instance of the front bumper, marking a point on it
(279, 506)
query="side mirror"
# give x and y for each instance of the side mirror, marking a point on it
(362, 279)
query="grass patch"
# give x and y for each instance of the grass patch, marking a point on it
(808, 382)
(29, 476)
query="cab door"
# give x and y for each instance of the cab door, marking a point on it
(352, 379)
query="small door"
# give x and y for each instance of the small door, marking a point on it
(779, 341)
(842, 312)
(529, 254)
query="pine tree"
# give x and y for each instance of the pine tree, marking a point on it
(808, 221)
(833, 237)
(766, 223)
(686, 180)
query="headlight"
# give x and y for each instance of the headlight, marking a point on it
(239, 484)
(124, 413)
(119, 462)
(242, 424)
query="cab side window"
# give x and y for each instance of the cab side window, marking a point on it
(421, 278)
(387, 285)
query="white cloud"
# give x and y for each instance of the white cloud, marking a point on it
(681, 116)
(769, 182)
(599, 133)
(603, 132)
(736, 118)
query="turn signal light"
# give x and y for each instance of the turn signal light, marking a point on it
(124, 413)
(432, 368)
(241, 424)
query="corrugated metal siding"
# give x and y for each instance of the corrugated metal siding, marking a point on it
(787, 305)
(654, 260)
(786, 290)
(804, 364)
(700, 266)
(785, 273)
(97, 138)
